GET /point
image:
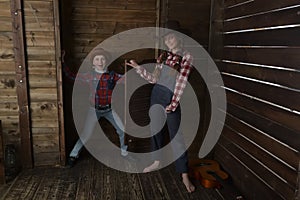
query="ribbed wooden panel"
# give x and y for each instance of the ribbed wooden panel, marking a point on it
(260, 68)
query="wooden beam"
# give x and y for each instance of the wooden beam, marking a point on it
(215, 49)
(297, 192)
(22, 83)
(275, 18)
(284, 57)
(281, 77)
(264, 37)
(59, 83)
(254, 7)
(2, 171)
(278, 95)
(276, 114)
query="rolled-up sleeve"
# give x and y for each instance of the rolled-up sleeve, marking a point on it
(181, 81)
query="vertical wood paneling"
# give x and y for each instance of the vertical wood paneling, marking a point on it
(43, 51)
(39, 35)
(260, 70)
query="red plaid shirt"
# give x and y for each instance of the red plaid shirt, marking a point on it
(98, 83)
(185, 62)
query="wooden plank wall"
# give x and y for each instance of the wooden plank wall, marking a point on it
(192, 15)
(94, 21)
(9, 114)
(260, 142)
(42, 75)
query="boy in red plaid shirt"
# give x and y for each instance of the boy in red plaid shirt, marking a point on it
(101, 84)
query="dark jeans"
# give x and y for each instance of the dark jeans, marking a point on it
(162, 95)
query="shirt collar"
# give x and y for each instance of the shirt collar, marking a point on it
(100, 72)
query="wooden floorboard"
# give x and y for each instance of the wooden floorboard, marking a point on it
(90, 179)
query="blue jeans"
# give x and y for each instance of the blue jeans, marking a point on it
(89, 126)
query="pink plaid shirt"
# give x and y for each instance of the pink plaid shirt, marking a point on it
(181, 80)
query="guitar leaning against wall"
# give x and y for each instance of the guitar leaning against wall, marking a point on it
(203, 170)
(210, 175)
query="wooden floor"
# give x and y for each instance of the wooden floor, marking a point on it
(90, 179)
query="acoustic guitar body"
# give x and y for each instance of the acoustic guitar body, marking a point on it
(206, 171)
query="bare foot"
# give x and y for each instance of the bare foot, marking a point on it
(188, 184)
(152, 167)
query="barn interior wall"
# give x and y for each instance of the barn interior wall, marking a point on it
(259, 146)
(255, 46)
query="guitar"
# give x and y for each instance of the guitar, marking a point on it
(205, 170)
